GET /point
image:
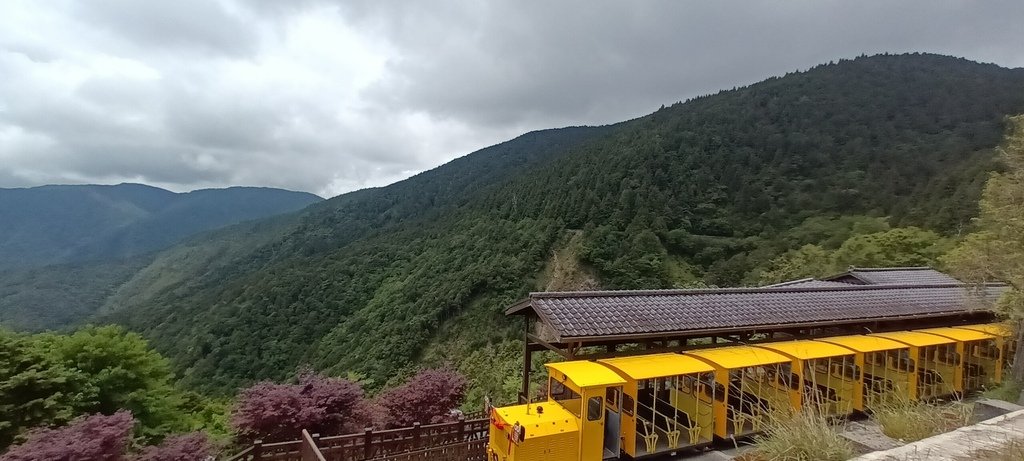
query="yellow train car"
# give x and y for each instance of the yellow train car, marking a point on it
(544, 431)
(650, 405)
(931, 359)
(972, 371)
(1006, 345)
(749, 383)
(574, 424)
(665, 406)
(828, 374)
(884, 367)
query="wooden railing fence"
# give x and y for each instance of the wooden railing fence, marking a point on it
(461, 440)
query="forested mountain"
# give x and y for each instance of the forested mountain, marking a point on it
(65, 249)
(705, 191)
(73, 223)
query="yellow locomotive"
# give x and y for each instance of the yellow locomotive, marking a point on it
(655, 404)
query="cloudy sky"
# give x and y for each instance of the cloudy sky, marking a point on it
(331, 96)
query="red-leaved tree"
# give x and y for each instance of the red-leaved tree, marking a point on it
(194, 446)
(277, 412)
(428, 397)
(90, 438)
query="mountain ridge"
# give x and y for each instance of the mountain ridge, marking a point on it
(63, 223)
(378, 281)
(64, 249)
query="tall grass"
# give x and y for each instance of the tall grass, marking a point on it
(801, 436)
(1008, 391)
(909, 421)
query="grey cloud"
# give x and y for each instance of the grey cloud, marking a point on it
(605, 61)
(204, 25)
(329, 96)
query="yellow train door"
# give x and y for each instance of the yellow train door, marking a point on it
(612, 422)
(592, 427)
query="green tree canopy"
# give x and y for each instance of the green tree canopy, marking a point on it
(996, 251)
(125, 372)
(35, 388)
(48, 379)
(902, 246)
(806, 261)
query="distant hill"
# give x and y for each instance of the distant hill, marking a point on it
(74, 223)
(64, 250)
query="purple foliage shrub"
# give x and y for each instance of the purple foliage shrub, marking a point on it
(188, 447)
(427, 398)
(277, 412)
(90, 438)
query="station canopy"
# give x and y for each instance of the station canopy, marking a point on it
(615, 315)
(893, 276)
(601, 324)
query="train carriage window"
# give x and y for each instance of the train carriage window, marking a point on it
(900, 360)
(612, 396)
(845, 370)
(627, 404)
(711, 388)
(948, 355)
(987, 350)
(565, 397)
(688, 384)
(595, 409)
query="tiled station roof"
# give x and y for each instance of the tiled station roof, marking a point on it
(619, 314)
(807, 283)
(893, 276)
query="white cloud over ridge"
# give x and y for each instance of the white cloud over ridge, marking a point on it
(332, 96)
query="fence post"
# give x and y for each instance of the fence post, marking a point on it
(257, 449)
(415, 436)
(315, 440)
(367, 438)
(305, 451)
(462, 428)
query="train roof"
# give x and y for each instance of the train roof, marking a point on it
(808, 349)
(631, 315)
(587, 373)
(862, 343)
(959, 334)
(995, 329)
(915, 338)
(657, 365)
(732, 357)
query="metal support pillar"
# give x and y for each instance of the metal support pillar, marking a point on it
(524, 396)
